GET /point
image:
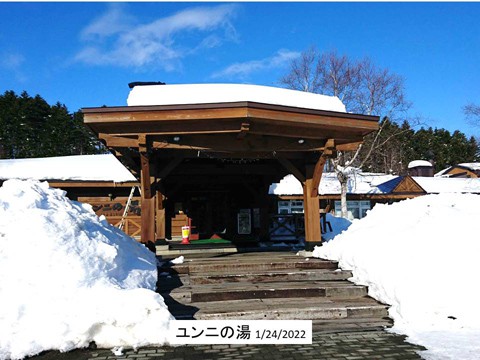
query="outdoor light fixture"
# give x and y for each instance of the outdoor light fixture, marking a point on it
(176, 138)
(301, 141)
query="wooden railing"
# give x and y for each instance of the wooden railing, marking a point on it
(287, 227)
(131, 226)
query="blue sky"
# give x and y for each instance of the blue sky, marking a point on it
(85, 54)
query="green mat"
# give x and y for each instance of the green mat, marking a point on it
(210, 241)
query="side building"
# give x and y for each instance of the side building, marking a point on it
(99, 180)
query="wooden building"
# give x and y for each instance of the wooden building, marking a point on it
(99, 180)
(211, 151)
(367, 189)
(468, 170)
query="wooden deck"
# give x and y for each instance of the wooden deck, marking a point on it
(269, 285)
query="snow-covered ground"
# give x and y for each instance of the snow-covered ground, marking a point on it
(68, 278)
(422, 257)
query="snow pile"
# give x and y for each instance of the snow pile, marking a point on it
(68, 278)
(421, 257)
(103, 167)
(181, 94)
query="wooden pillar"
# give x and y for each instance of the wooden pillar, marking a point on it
(311, 208)
(160, 234)
(263, 203)
(147, 234)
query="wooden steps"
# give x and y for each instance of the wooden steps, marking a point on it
(270, 286)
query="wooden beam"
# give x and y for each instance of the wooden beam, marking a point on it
(167, 169)
(145, 176)
(91, 184)
(143, 145)
(243, 130)
(160, 217)
(118, 141)
(298, 130)
(339, 121)
(348, 147)
(318, 170)
(147, 233)
(317, 175)
(311, 207)
(229, 143)
(124, 155)
(287, 164)
(174, 146)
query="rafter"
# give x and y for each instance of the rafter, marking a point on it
(318, 170)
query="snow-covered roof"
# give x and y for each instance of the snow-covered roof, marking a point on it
(416, 163)
(373, 183)
(437, 185)
(362, 183)
(475, 166)
(182, 94)
(103, 167)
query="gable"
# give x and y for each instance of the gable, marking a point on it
(408, 185)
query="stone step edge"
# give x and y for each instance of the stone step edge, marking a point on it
(195, 269)
(337, 293)
(371, 312)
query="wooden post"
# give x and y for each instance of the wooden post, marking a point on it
(311, 208)
(160, 217)
(147, 234)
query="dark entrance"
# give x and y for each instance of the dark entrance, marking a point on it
(222, 197)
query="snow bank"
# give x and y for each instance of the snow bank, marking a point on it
(181, 94)
(420, 256)
(68, 278)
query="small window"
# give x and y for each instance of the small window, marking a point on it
(355, 209)
(290, 207)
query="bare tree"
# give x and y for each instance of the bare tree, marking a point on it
(362, 86)
(472, 111)
(303, 75)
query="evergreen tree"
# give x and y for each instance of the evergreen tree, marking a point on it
(30, 127)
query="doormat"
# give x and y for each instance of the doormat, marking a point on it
(210, 241)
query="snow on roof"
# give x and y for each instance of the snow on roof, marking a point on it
(442, 172)
(373, 183)
(437, 185)
(104, 167)
(416, 163)
(182, 94)
(361, 183)
(475, 166)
